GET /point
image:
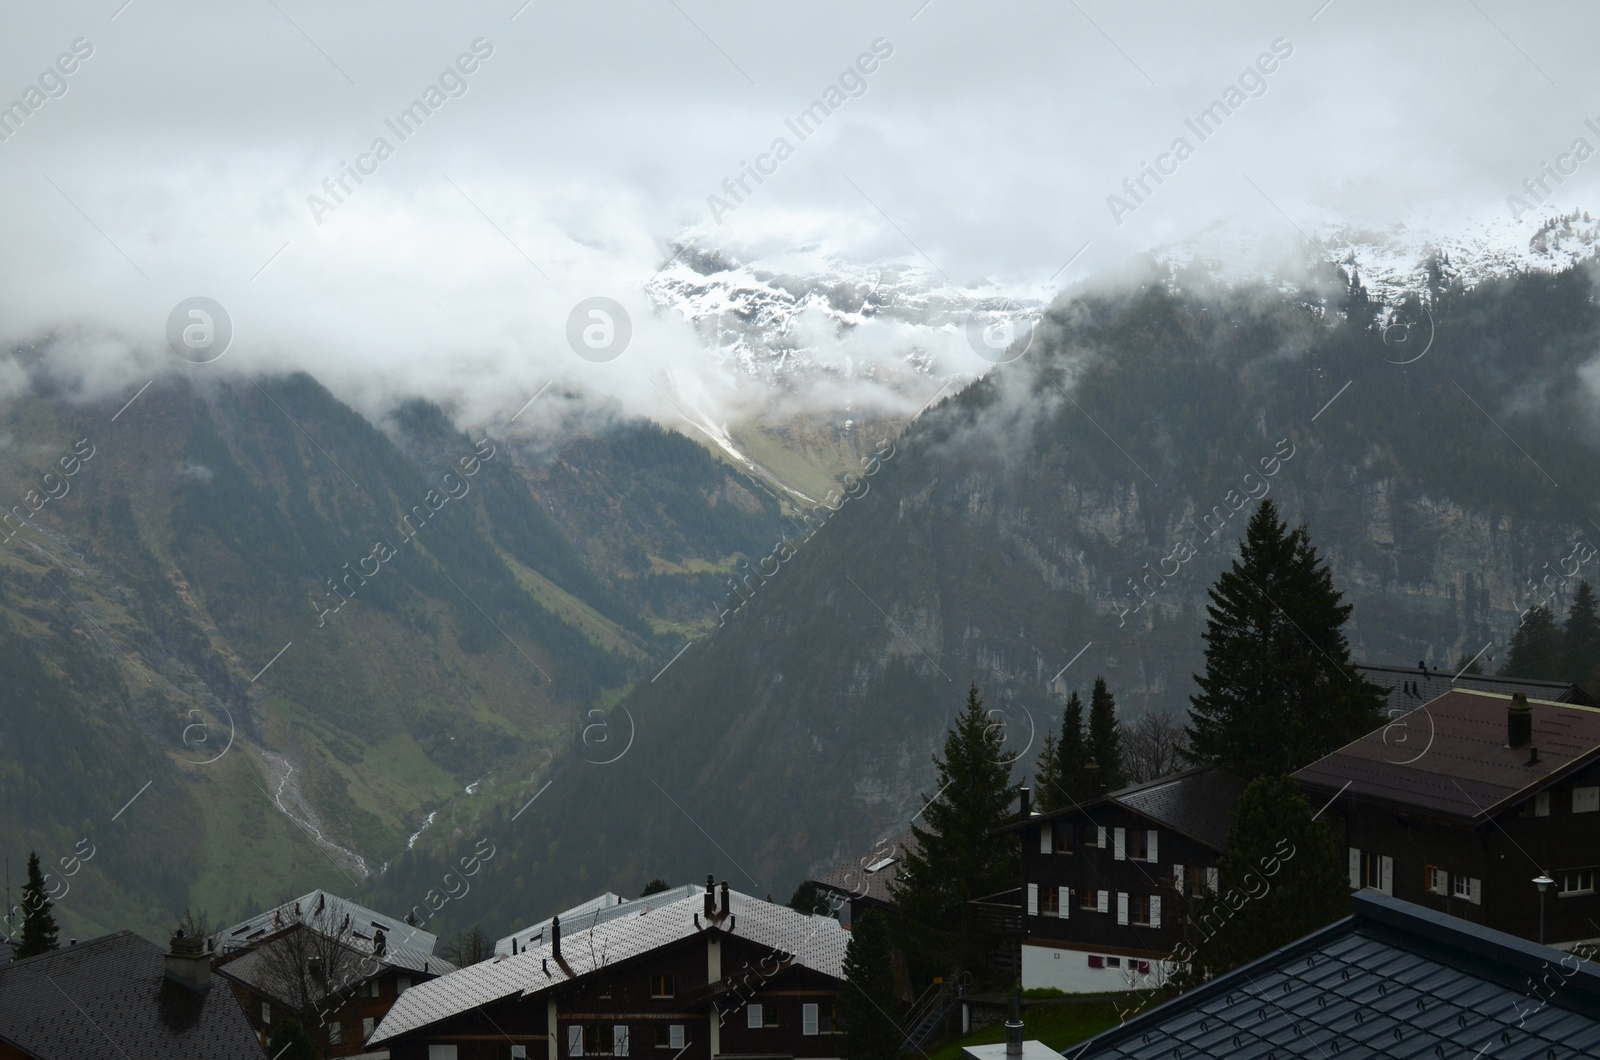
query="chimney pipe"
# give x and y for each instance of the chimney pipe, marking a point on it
(1025, 794)
(711, 898)
(555, 937)
(724, 898)
(1014, 1029)
(1519, 721)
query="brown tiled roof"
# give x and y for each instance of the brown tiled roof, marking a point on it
(1449, 757)
(869, 876)
(109, 997)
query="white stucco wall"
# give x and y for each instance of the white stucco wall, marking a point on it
(1068, 970)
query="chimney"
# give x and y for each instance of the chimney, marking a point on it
(1025, 808)
(1519, 721)
(187, 963)
(724, 898)
(555, 937)
(711, 897)
(1014, 1030)
(1422, 665)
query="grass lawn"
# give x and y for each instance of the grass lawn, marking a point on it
(1057, 1024)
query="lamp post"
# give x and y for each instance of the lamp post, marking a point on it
(1543, 882)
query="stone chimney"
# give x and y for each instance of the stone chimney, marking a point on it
(555, 937)
(1519, 721)
(187, 962)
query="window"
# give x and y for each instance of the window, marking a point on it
(815, 1020)
(1061, 837)
(1139, 909)
(1113, 962)
(1371, 870)
(1436, 880)
(662, 986)
(367, 1028)
(808, 1019)
(1089, 900)
(1049, 902)
(597, 1039)
(336, 1033)
(1142, 845)
(1196, 879)
(1463, 887)
(761, 1016)
(669, 1036)
(1576, 881)
(1585, 800)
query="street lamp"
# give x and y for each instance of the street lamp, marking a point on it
(1543, 882)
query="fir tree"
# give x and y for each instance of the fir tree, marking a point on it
(38, 925)
(1278, 691)
(867, 1005)
(655, 886)
(1065, 784)
(1468, 665)
(1582, 636)
(1282, 876)
(1047, 785)
(1535, 652)
(956, 856)
(809, 899)
(1105, 738)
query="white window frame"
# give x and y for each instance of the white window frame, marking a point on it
(808, 1018)
(1564, 874)
(1461, 886)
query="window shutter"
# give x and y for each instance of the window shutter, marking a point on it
(808, 1019)
(619, 1040)
(1177, 878)
(1122, 908)
(1103, 901)
(574, 1040)
(1033, 899)
(1355, 869)
(1100, 840)
(1044, 839)
(1119, 844)
(367, 1027)
(1152, 856)
(1212, 880)
(675, 1036)
(752, 1016)
(1475, 891)
(441, 1052)
(1585, 800)
(266, 1012)
(1541, 804)
(1155, 910)
(519, 1052)
(1386, 875)
(1064, 901)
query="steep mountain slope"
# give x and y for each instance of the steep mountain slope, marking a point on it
(1008, 541)
(251, 642)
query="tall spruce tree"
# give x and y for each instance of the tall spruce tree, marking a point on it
(1060, 780)
(1582, 637)
(1278, 691)
(1105, 737)
(39, 928)
(1282, 876)
(867, 1005)
(957, 856)
(1536, 648)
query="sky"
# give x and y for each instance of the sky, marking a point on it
(978, 143)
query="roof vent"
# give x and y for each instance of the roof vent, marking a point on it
(1519, 721)
(1533, 756)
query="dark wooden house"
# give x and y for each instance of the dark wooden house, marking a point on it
(1459, 804)
(713, 974)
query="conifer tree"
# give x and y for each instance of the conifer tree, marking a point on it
(1278, 691)
(1535, 652)
(1281, 877)
(956, 856)
(867, 1005)
(1047, 789)
(1060, 780)
(39, 928)
(1105, 738)
(1582, 636)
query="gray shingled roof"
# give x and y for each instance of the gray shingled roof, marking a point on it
(333, 909)
(1393, 980)
(1450, 757)
(595, 911)
(1199, 803)
(253, 968)
(1432, 684)
(109, 997)
(817, 943)
(871, 875)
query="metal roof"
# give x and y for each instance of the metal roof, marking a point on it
(594, 911)
(817, 942)
(322, 908)
(871, 876)
(1431, 684)
(110, 997)
(254, 967)
(1392, 980)
(1449, 756)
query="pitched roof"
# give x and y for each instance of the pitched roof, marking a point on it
(595, 911)
(1392, 980)
(871, 876)
(817, 942)
(1431, 684)
(254, 967)
(1198, 803)
(1449, 756)
(321, 907)
(110, 997)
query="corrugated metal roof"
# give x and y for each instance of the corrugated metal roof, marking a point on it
(817, 943)
(110, 997)
(323, 907)
(1394, 980)
(871, 876)
(1450, 757)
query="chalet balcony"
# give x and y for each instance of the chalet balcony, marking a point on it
(996, 914)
